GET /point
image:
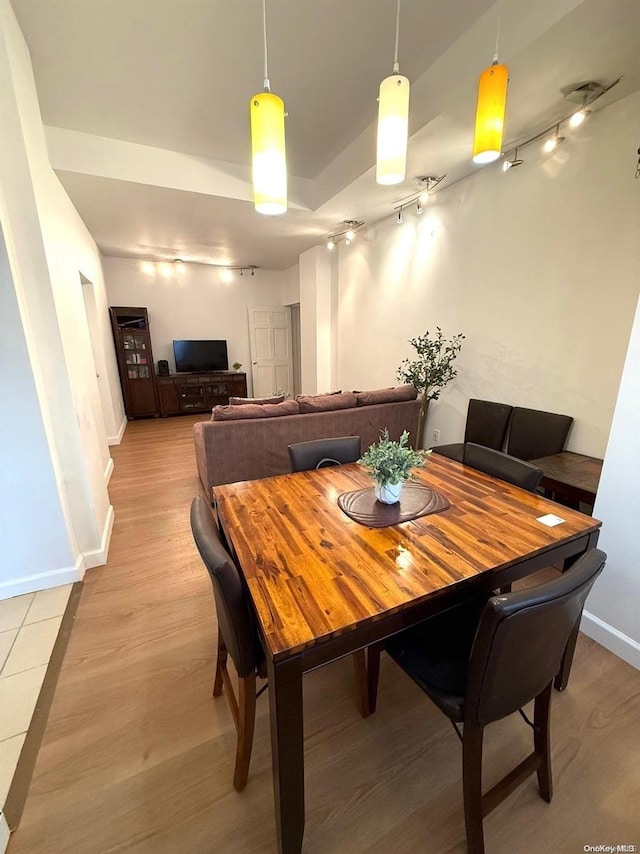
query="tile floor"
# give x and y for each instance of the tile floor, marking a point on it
(29, 626)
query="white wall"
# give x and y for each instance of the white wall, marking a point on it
(49, 249)
(291, 285)
(612, 617)
(33, 530)
(537, 267)
(192, 301)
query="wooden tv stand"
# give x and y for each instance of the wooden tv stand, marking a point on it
(199, 392)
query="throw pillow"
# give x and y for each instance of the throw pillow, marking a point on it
(326, 402)
(255, 410)
(243, 401)
(287, 407)
(386, 395)
(235, 413)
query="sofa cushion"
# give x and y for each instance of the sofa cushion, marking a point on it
(255, 410)
(326, 402)
(243, 401)
(386, 395)
(286, 407)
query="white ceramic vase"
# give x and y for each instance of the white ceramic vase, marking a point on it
(389, 493)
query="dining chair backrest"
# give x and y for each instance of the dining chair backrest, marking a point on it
(324, 452)
(504, 466)
(232, 606)
(521, 638)
(487, 423)
(534, 433)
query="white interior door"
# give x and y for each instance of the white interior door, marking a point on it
(271, 354)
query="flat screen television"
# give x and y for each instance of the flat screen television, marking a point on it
(200, 356)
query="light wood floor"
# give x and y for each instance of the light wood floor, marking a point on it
(138, 757)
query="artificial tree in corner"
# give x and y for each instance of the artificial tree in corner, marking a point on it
(431, 370)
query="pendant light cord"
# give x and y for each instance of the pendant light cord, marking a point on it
(495, 55)
(267, 85)
(396, 66)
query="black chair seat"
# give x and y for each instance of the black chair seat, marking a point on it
(435, 654)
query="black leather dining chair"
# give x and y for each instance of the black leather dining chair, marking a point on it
(486, 425)
(534, 433)
(323, 453)
(320, 453)
(503, 466)
(486, 659)
(237, 635)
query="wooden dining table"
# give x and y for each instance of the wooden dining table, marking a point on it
(324, 586)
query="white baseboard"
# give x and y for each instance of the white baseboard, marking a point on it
(615, 641)
(115, 440)
(108, 471)
(98, 557)
(4, 833)
(43, 580)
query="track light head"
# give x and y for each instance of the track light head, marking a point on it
(578, 117)
(515, 161)
(331, 243)
(400, 219)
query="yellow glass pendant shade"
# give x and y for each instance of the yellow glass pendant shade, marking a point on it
(492, 102)
(393, 129)
(268, 154)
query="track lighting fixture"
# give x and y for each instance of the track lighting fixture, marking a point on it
(578, 117)
(393, 122)
(268, 144)
(584, 95)
(553, 141)
(419, 210)
(400, 218)
(351, 227)
(515, 161)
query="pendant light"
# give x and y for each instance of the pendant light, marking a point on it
(393, 122)
(268, 144)
(490, 111)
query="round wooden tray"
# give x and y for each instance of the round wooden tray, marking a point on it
(363, 506)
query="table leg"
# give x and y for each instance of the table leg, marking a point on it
(287, 752)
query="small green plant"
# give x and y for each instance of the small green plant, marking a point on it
(392, 462)
(431, 370)
(236, 366)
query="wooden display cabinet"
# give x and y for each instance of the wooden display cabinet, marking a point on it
(135, 360)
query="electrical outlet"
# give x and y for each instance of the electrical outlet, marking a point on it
(436, 435)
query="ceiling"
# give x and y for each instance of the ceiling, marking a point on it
(177, 76)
